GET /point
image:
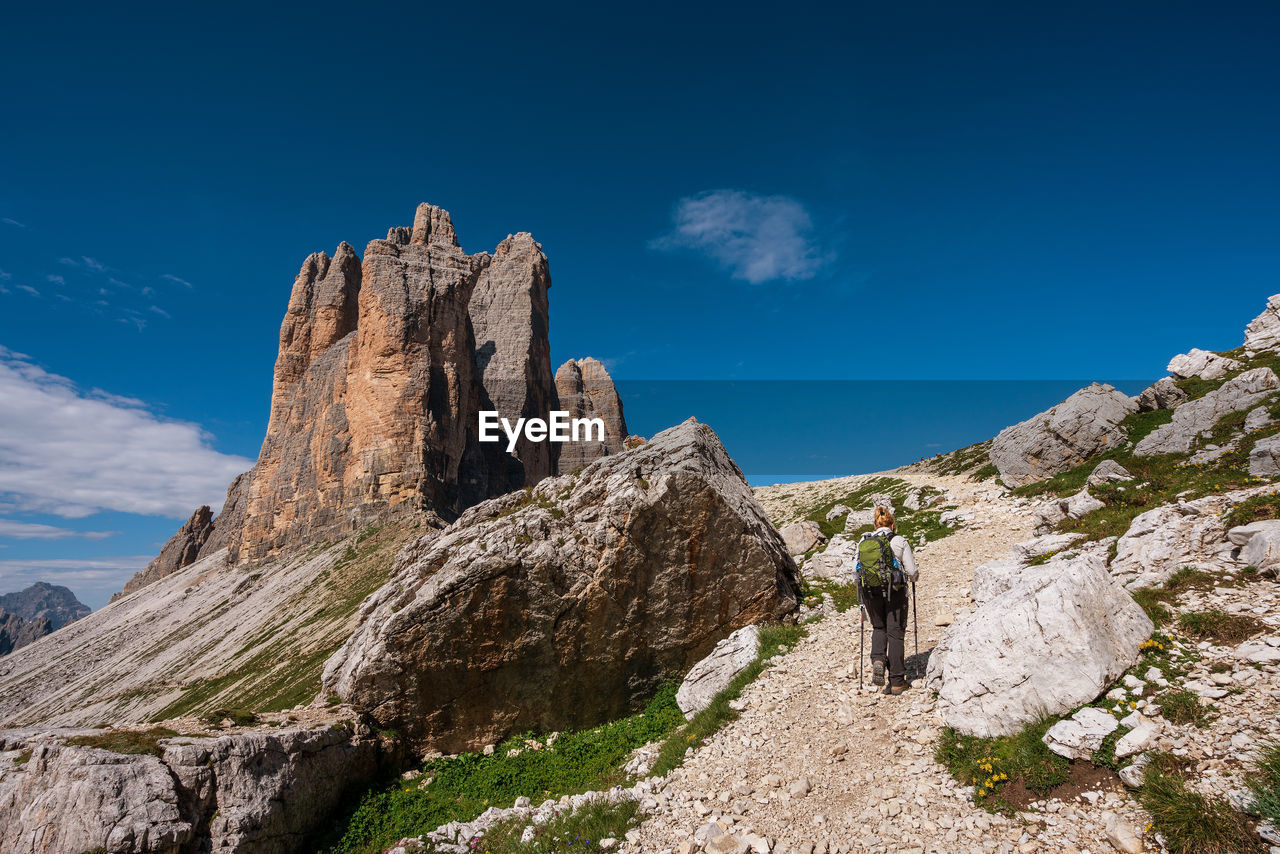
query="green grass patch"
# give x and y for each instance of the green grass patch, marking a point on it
(991, 764)
(974, 460)
(129, 742)
(579, 830)
(1183, 708)
(1264, 782)
(1154, 600)
(1219, 626)
(238, 717)
(845, 596)
(1254, 509)
(708, 721)
(1190, 822)
(462, 787)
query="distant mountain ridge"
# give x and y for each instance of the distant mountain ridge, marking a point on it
(43, 600)
(30, 614)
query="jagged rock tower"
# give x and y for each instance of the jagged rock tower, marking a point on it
(384, 365)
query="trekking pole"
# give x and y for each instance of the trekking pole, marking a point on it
(915, 621)
(862, 622)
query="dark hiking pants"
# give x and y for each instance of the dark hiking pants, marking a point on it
(889, 629)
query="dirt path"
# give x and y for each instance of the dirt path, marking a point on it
(868, 758)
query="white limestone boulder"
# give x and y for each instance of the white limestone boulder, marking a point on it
(1051, 642)
(713, 674)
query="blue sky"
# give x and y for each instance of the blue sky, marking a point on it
(1013, 191)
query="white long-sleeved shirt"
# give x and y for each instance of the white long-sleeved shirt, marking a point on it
(902, 551)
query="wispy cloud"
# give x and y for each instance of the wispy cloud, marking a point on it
(13, 222)
(32, 531)
(72, 454)
(68, 262)
(56, 279)
(4, 277)
(172, 278)
(160, 311)
(28, 289)
(756, 238)
(92, 264)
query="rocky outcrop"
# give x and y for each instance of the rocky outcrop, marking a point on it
(1259, 544)
(1262, 335)
(994, 577)
(566, 605)
(586, 390)
(714, 673)
(1178, 436)
(251, 791)
(1264, 457)
(836, 562)
(1202, 364)
(16, 632)
(1082, 426)
(1162, 394)
(1161, 541)
(183, 549)
(45, 601)
(1051, 642)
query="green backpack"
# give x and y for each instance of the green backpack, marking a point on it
(877, 567)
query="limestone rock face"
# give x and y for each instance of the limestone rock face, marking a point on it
(182, 550)
(251, 791)
(586, 390)
(1262, 335)
(1083, 425)
(1202, 364)
(837, 562)
(714, 673)
(1162, 394)
(1242, 392)
(565, 606)
(509, 314)
(1049, 643)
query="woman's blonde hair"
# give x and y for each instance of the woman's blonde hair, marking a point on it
(884, 517)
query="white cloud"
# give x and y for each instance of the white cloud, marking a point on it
(155, 309)
(756, 238)
(69, 262)
(32, 531)
(92, 264)
(172, 278)
(56, 279)
(29, 289)
(4, 277)
(13, 222)
(73, 454)
(93, 580)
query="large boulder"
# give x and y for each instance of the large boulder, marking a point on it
(248, 791)
(834, 563)
(714, 673)
(1162, 394)
(566, 605)
(1241, 392)
(1108, 471)
(1165, 539)
(1260, 544)
(1051, 642)
(1082, 426)
(1262, 335)
(996, 576)
(802, 537)
(1202, 364)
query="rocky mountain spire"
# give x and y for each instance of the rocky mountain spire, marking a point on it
(586, 390)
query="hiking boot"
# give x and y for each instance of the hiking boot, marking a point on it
(894, 690)
(877, 673)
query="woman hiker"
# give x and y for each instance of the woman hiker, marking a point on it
(885, 567)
